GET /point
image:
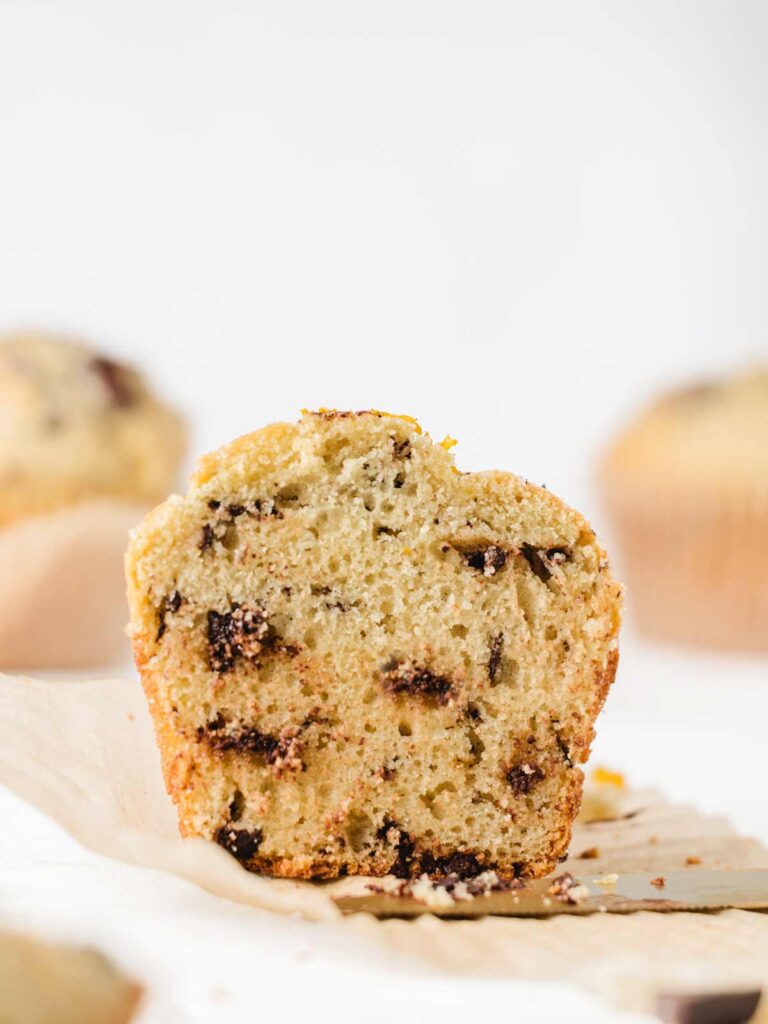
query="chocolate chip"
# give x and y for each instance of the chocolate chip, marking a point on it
(415, 681)
(487, 560)
(236, 806)
(496, 648)
(523, 778)
(236, 510)
(280, 752)
(543, 560)
(168, 606)
(208, 537)
(734, 1007)
(241, 632)
(116, 381)
(462, 864)
(242, 843)
(390, 833)
(214, 505)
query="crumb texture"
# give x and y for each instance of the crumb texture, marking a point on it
(361, 661)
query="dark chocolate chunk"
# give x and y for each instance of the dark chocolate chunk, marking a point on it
(487, 560)
(236, 806)
(391, 834)
(496, 648)
(281, 752)
(734, 1007)
(214, 505)
(415, 681)
(242, 632)
(523, 778)
(169, 605)
(236, 510)
(543, 560)
(242, 843)
(462, 864)
(116, 381)
(207, 538)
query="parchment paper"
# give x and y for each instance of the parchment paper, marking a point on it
(84, 754)
(62, 586)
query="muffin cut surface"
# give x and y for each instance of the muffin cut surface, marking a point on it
(361, 661)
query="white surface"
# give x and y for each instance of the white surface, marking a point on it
(512, 219)
(506, 218)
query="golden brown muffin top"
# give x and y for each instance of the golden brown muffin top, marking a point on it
(710, 437)
(76, 424)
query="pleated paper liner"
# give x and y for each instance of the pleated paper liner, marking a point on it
(696, 570)
(62, 587)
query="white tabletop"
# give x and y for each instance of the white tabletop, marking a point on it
(692, 725)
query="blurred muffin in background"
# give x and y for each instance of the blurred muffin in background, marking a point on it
(687, 487)
(85, 449)
(42, 983)
(76, 425)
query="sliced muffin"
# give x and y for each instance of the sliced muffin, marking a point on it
(359, 660)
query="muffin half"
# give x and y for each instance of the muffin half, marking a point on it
(359, 660)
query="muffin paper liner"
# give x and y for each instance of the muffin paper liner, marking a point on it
(695, 569)
(62, 586)
(84, 754)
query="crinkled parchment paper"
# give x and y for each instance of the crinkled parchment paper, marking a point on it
(84, 754)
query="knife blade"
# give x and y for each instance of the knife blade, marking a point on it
(692, 890)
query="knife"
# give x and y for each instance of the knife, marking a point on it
(691, 890)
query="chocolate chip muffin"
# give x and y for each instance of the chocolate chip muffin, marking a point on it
(76, 425)
(85, 450)
(362, 661)
(687, 487)
(42, 983)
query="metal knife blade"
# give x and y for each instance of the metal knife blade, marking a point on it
(691, 890)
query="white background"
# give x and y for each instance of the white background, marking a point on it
(514, 221)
